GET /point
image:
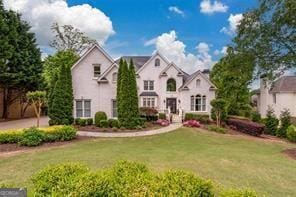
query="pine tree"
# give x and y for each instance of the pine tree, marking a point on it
(62, 98)
(134, 108)
(118, 90)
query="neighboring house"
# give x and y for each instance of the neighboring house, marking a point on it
(280, 95)
(161, 85)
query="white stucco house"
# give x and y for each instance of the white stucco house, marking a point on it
(161, 84)
(279, 95)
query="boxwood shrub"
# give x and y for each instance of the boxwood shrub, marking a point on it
(104, 124)
(113, 123)
(89, 121)
(100, 116)
(246, 126)
(202, 118)
(291, 133)
(162, 116)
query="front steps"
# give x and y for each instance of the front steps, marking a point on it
(177, 118)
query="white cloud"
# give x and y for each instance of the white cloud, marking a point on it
(176, 10)
(223, 51)
(150, 42)
(209, 8)
(168, 45)
(234, 21)
(42, 13)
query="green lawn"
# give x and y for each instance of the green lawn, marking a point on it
(232, 161)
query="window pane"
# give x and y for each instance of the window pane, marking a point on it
(87, 113)
(78, 104)
(192, 103)
(86, 104)
(151, 85)
(145, 85)
(153, 102)
(144, 102)
(198, 103)
(204, 103)
(79, 113)
(114, 77)
(87, 108)
(97, 70)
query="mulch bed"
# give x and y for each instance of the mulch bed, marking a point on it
(290, 153)
(4, 148)
(92, 128)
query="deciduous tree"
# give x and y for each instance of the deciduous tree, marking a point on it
(38, 100)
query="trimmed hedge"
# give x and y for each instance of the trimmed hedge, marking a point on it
(245, 126)
(162, 116)
(113, 123)
(36, 136)
(291, 133)
(100, 116)
(104, 124)
(203, 118)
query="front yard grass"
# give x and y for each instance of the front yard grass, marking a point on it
(232, 161)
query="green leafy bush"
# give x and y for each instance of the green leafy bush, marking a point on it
(238, 193)
(32, 137)
(57, 180)
(271, 122)
(216, 129)
(203, 118)
(291, 133)
(59, 133)
(89, 121)
(113, 123)
(104, 124)
(76, 121)
(82, 122)
(100, 116)
(162, 116)
(10, 136)
(255, 116)
(285, 118)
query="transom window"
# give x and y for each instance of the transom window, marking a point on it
(97, 70)
(171, 85)
(148, 85)
(157, 62)
(83, 108)
(198, 103)
(148, 102)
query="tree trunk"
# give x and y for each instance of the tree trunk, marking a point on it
(5, 103)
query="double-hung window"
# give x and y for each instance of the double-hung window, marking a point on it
(148, 102)
(83, 108)
(97, 70)
(148, 85)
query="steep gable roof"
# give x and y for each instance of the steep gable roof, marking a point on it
(284, 84)
(193, 76)
(172, 65)
(139, 61)
(151, 58)
(103, 75)
(96, 45)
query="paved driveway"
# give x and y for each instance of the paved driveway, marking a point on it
(23, 123)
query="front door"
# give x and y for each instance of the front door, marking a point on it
(172, 105)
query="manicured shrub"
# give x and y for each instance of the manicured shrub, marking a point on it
(57, 180)
(291, 133)
(100, 116)
(89, 121)
(239, 193)
(162, 122)
(104, 124)
(113, 123)
(191, 123)
(255, 116)
(82, 122)
(162, 116)
(271, 122)
(285, 118)
(76, 121)
(59, 133)
(149, 113)
(10, 136)
(216, 129)
(32, 137)
(179, 183)
(246, 126)
(203, 118)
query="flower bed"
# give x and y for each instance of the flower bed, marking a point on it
(191, 123)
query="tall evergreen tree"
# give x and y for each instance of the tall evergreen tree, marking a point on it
(20, 59)
(62, 98)
(124, 95)
(118, 90)
(134, 108)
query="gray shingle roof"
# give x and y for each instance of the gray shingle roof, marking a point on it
(148, 94)
(284, 84)
(139, 61)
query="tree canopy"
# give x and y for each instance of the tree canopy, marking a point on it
(269, 33)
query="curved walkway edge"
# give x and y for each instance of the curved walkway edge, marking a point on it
(167, 129)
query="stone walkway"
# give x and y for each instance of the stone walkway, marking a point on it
(167, 129)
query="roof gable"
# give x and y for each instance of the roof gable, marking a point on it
(284, 84)
(193, 76)
(163, 72)
(152, 57)
(94, 46)
(114, 65)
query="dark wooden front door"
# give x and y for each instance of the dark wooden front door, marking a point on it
(172, 104)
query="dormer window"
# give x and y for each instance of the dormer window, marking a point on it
(97, 70)
(157, 62)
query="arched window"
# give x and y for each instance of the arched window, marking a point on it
(198, 103)
(197, 82)
(171, 85)
(157, 62)
(114, 77)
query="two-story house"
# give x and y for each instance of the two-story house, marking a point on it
(161, 85)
